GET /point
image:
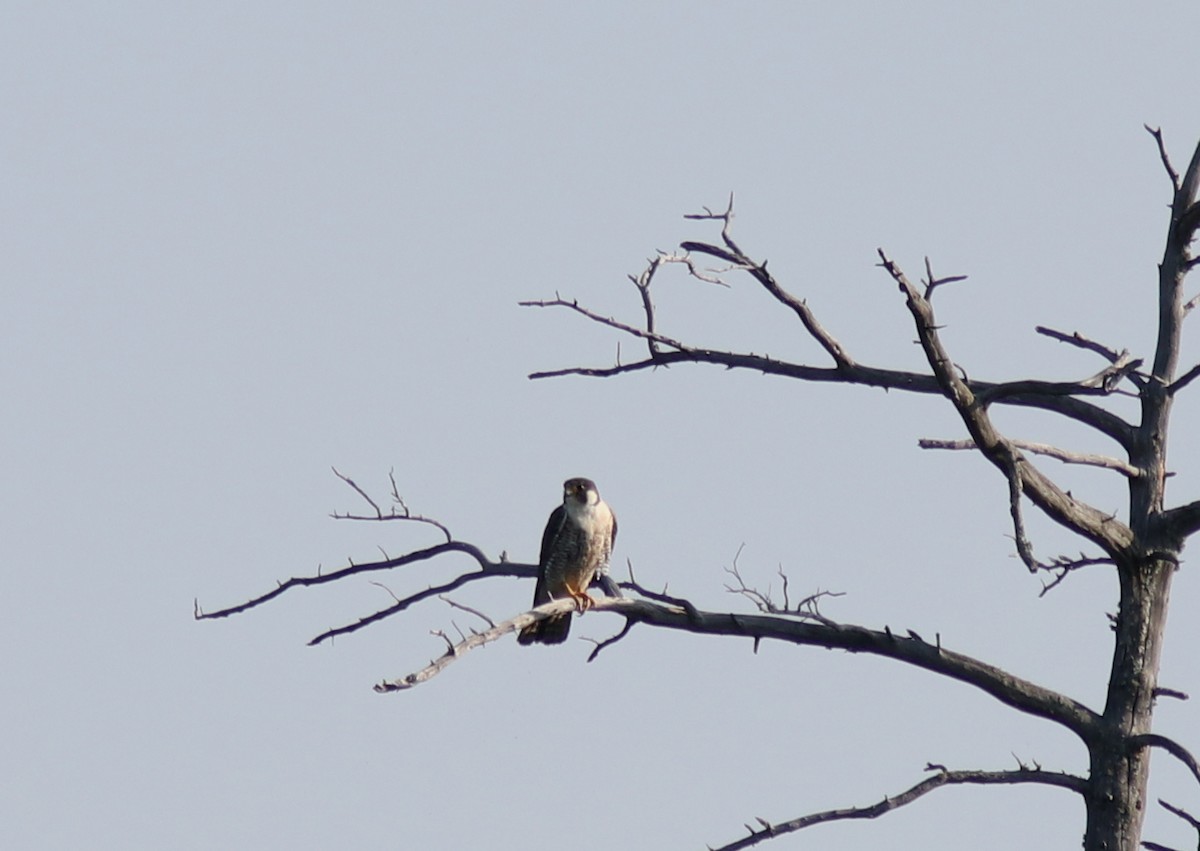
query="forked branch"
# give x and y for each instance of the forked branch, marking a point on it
(399, 512)
(1059, 397)
(1111, 355)
(1102, 529)
(487, 568)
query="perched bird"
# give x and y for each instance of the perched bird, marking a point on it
(576, 544)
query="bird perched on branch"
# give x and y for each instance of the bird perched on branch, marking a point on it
(576, 544)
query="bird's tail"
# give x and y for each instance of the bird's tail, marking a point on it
(552, 630)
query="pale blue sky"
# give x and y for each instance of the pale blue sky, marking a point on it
(246, 242)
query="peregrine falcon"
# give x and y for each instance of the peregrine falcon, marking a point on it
(576, 544)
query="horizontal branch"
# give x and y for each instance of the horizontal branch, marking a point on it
(1106, 422)
(1064, 455)
(1008, 689)
(943, 777)
(1103, 383)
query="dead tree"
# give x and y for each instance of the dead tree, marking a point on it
(1144, 547)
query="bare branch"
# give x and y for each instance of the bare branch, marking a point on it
(1077, 339)
(798, 306)
(932, 283)
(1159, 691)
(726, 220)
(1103, 383)
(1182, 813)
(808, 607)
(1104, 421)
(680, 603)
(404, 603)
(487, 569)
(1104, 530)
(643, 282)
(1063, 566)
(943, 777)
(1154, 740)
(359, 491)
(609, 321)
(600, 645)
(1184, 380)
(393, 514)
(1111, 355)
(1024, 548)
(456, 651)
(467, 609)
(1156, 132)
(682, 615)
(1058, 397)
(1183, 521)
(1064, 455)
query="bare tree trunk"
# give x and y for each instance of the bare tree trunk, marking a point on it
(1116, 799)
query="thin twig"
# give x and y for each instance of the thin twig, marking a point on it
(1063, 566)
(393, 514)
(468, 609)
(359, 491)
(805, 608)
(1064, 455)
(932, 283)
(609, 321)
(600, 645)
(1156, 132)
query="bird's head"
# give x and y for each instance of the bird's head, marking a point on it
(580, 492)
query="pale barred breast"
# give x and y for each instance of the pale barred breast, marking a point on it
(583, 545)
(596, 522)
